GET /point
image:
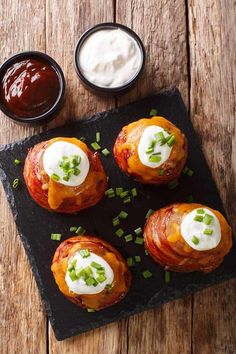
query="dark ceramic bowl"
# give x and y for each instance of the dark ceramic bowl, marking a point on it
(107, 90)
(52, 111)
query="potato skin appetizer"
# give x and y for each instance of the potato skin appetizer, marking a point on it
(105, 298)
(54, 196)
(163, 234)
(127, 151)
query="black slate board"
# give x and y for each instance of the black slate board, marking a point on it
(36, 224)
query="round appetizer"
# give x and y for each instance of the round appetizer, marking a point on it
(188, 237)
(153, 150)
(63, 175)
(90, 272)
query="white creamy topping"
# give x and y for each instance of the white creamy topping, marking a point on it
(53, 156)
(79, 286)
(109, 58)
(146, 140)
(193, 231)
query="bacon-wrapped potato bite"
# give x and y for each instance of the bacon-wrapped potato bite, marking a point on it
(153, 150)
(188, 237)
(63, 175)
(90, 272)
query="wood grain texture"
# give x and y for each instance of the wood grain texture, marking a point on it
(212, 30)
(23, 321)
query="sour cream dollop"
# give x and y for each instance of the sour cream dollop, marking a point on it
(148, 136)
(53, 156)
(110, 58)
(201, 235)
(79, 286)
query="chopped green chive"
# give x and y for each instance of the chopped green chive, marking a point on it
(98, 137)
(17, 162)
(84, 253)
(130, 261)
(80, 231)
(151, 147)
(146, 252)
(72, 275)
(138, 231)
(137, 259)
(82, 138)
(147, 274)
(128, 238)
(101, 271)
(159, 136)
(200, 211)
(195, 240)
(208, 219)
(120, 232)
(110, 193)
(90, 310)
(73, 228)
(173, 184)
(105, 152)
(149, 213)
(55, 177)
(167, 277)
(101, 278)
(56, 237)
(123, 215)
(171, 141)
(15, 183)
(190, 173)
(96, 146)
(153, 112)
(139, 240)
(124, 194)
(198, 218)
(90, 281)
(108, 287)
(119, 190)
(155, 158)
(185, 170)
(96, 265)
(126, 200)
(208, 232)
(134, 192)
(161, 172)
(116, 221)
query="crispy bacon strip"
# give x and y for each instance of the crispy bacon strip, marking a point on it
(126, 152)
(106, 298)
(165, 244)
(58, 197)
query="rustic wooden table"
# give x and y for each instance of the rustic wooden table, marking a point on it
(190, 44)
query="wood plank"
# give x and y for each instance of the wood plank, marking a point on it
(162, 27)
(23, 325)
(212, 33)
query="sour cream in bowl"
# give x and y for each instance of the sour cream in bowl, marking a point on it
(109, 58)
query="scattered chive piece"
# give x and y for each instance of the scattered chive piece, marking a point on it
(108, 287)
(80, 231)
(167, 277)
(126, 200)
(119, 190)
(146, 252)
(84, 253)
(82, 138)
(198, 218)
(116, 221)
(161, 172)
(138, 231)
(128, 238)
(207, 219)
(200, 211)
(173, 184)
(159, 136)
(171, 141)
(190, 172)
(105, 152)
(137, 259)
(90, 310)
(134, 192)
(15, 183)
(98, 137)
(130, 261)
(155, 158)
(72, 275)
(120, 232)
(195, 240)
(147, 274)
(151, 147)
(189, 198)
(153, 112)
(17, 162)
(208, 232)
(55, 177)
(101, 278)
(149, 213)
(109, 191)
(56, 237)
(139, 240)
(101, 271)
(96, 146)
(90, 281)
(73, 228)
(124, 194)
(123, 215)
(185, 170)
